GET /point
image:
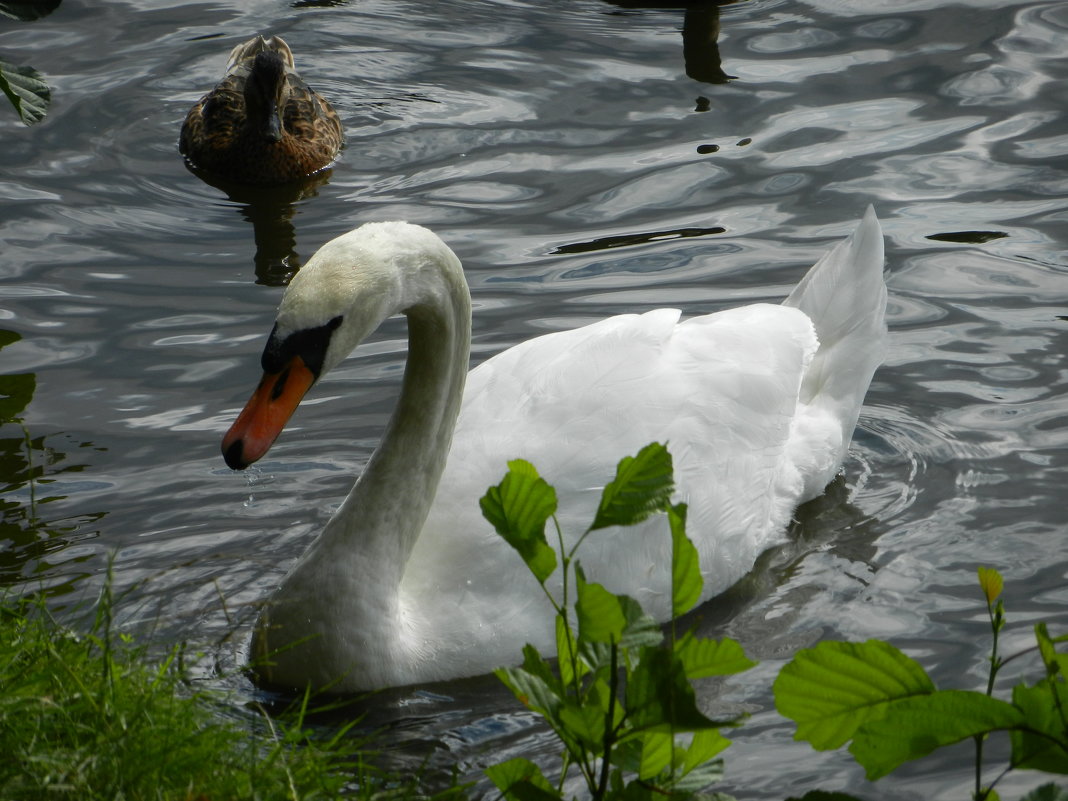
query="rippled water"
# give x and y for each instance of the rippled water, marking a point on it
(564, 152)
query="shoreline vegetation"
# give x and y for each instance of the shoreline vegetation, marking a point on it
(94, 716)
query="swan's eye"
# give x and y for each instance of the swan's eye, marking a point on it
(309, 344)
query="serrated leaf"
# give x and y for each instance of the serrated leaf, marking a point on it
(659, 698)
(640, 629)
(914, 727)
(536, 665)
(1044, 746)
(532, 690)
(656, 753)
(522, 780)
(585, 723)
(667, 764)
(16, 392)
(26, 90)
(600, 614)
(702, 658)
(834, 688)
(518, 509)
(991, 583)
(686, 581)
(600, 696)
(1047, 792)
(1048, 650)
(28, 10)
(705, 745)
(700, 777)
(642, 486)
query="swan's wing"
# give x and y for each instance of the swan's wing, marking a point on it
(721, 390)
(844, 294)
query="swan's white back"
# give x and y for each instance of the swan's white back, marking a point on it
(756, 404)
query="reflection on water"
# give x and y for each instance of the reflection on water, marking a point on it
(700, 35)
(29, 468)
(270, 211)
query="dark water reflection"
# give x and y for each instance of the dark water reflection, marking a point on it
(556, 147)
(270, 211)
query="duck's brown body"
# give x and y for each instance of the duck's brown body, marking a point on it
(262, 124)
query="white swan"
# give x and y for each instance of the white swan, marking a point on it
(407, 583)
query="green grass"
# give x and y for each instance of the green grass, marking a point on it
(90, 716)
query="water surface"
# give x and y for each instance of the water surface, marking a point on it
(583, 158)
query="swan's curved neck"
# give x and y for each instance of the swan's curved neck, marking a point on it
(352, 574)
(383, 515)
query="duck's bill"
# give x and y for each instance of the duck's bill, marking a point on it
(266, 414)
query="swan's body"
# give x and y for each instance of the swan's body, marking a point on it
(407, 583)
(262, 124)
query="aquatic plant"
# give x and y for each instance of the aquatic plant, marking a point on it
(619, 697)
(24, 87)
(885, 705)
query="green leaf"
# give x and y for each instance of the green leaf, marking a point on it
(1050, 658)
(585, 723)
(700, 777)
(26, 90)
(703, 657)
(28, 10)
(567, 649)
(1047, 792)
(640, 629)
(686, 581)
(660, 698)
(672, 766)
(834, 688)
(642, 486)
(706, 744)
(914, 727)
(522, 780)
(518, 508)
(532, 689)
(991, 583)
(657, 748)
(1044, 745)
(538, 666)
(16, 392)
(600, 613)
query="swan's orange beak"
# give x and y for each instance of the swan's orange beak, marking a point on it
(266, 413)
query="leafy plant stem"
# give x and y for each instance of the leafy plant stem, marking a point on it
(561, 609)
(609, 730)
(995, 611)
(29, 470)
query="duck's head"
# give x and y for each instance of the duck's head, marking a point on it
(265, 92)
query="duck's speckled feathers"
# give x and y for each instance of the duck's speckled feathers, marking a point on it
(230, 133)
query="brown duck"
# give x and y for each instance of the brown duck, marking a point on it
(262, 124)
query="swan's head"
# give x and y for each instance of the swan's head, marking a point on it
(341, 295)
